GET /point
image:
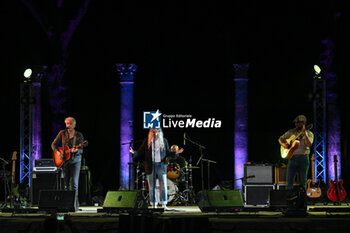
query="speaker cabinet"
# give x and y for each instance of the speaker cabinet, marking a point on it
(220, 200)
(257, 195)
(84, 187)
(278, 198)
(43, 181)
(124, 200)
(281, 175)
(259, 173)
(63, 201)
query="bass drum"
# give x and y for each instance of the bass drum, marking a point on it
(172, 189)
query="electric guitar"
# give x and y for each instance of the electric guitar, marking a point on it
(287, 153)
(336, 192)
(313, 190)
(14, 187)
(59, 157)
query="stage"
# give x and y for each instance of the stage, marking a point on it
(320, 217)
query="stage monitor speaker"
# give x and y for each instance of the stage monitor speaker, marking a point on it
(281, 175)
(42, 181)
(220, 200)
(257, 195)
(124, 200)
(278, 198)
(260, 173)
(63, 201)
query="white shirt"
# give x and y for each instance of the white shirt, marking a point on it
(156, 152)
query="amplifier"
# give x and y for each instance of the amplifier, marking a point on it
(42, 181)
(257, 195)
(281, 175)
(44, 165)
(260, 173)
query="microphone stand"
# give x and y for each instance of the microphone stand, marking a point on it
(200, 147)
(244, 179)
(63, 168)
(208, 161)
(131, 166)
(154, 174)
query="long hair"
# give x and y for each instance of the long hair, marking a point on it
(161, 139)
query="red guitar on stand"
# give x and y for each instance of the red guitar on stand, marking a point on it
(336, 192)
(58, 156)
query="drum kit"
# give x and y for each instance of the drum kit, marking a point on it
(179, 181)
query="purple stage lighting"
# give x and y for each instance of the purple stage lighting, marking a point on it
(126, 72)
(241, 121)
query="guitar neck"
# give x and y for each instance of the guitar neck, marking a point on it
(295, 138)
(13, 173)
(298, 135)
(335, 168)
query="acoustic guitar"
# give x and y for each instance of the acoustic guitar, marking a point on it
(336, 192)
(293, 142)
(60, 156)
(313, 190)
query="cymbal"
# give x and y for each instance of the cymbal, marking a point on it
(192, 167)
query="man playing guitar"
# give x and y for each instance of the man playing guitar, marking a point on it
(299, 161)
(69, 138)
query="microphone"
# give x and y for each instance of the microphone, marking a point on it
(184, 139)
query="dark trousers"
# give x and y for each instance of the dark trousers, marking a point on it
(298, 165)
(71, 175)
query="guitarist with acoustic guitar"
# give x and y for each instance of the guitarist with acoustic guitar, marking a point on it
(298, 141)
(70, 154)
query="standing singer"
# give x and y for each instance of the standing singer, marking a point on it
(153, 151)
(71, 168)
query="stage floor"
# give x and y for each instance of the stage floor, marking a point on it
(318, 218)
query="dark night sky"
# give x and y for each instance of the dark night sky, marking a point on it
(184, 55)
